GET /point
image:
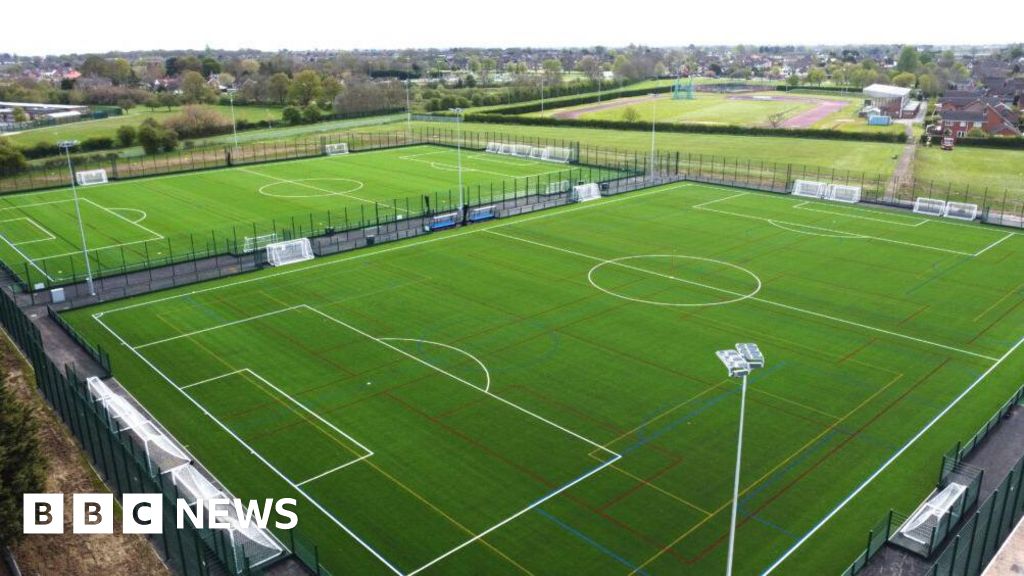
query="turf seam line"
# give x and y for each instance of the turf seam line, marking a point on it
(749, 297)
(860, 488)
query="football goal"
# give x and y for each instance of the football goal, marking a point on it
(254, 243)
(810, 189)
(929, 206)
(558, 154)
(493, 147)
(961, 211)
(558, 187)
(335, 149)
(90, 177)
(843, 193)
(586, 192)
(289, 252)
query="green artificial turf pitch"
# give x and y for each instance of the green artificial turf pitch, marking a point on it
(131, 222)
(540, 395)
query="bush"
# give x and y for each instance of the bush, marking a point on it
(311, 114)
(12, 160)
(97, 143)
(41, 150)
(292, 115)
(125, 135)
(197, 122)
(155, 138)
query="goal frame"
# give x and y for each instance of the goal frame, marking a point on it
(810, 189)
(965, 211)
(929, 206)
(86, 177)
(336, 149)
(305, 254)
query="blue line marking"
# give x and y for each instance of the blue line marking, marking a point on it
(591, 542)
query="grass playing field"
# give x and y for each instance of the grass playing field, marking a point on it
(540, 395)
(147, 219)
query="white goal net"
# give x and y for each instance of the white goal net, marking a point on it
(546, 153)
(335, 149)
(810, 189)
(90, 177)
(493, 147)
(961, 210)
(557, 154)
(586, 192)
(254, 243)
(289, 252)
(558, 187)
(843, 193)
(929, 206)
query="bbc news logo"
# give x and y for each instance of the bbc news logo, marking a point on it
(143, 513)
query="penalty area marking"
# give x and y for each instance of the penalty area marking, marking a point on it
(619, 262)
(34, 223)
(790, 227)
(136, 210)
(487, 373)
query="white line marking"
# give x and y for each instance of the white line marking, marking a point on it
(750, 297)
(158, 235)
(994, 244)
(143, 212)
(919, 221)
(333, 470)
(487, 373)
(25, 257)
(404, 246)
(34, 223)
(259, 456)
(888, 462)
(328, 192)
(224, 325)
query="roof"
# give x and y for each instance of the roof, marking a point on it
(962, 116)
(886, 91)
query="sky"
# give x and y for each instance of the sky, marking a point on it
(103, 26)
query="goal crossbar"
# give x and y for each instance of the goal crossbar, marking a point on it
(336, 149)
(289, 252)
(91, 177)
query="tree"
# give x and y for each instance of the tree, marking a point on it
(125, 135)
(552, 71)
(198, 121)
(589, 67)
(815, 76)
(22, 465)
(311, 113)
(168, 100)
(630, 114)
(226, 79)
(209, 66)
(793, 80)
(909, 61)
(330, 89)
(305, 87)
(20, 115)
(12, 160)
(195, 90)
(929, 84)
(120, 71)
(278, 88)
(292, 115)
(904, 79)
(775, 120)
(153, 137)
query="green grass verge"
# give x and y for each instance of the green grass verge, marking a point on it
(980, 168)
(429, 392)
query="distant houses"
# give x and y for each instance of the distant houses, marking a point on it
(961, 111)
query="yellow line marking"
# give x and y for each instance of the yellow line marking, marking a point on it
(998, 302)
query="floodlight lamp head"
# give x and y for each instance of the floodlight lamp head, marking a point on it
(67, 144)
(734, 363)
(752, 354)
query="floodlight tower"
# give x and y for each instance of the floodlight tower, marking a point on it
(234, 126)
(458, 147)
(66, 146)
(740, 362)
(654, 121)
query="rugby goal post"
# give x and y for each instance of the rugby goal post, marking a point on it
(930, 206)
(289, 252)
(336, 149)
(254, 243)
(91, 177)
(586, 192)
(810, 189)
(961, 211)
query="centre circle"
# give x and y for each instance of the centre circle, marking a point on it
(311, 187)
(674, 280)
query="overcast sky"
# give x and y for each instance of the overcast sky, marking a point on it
(66, 26)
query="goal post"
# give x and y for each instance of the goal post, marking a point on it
(91, 177)
(558, 154)
(929, 206)
(493, 147)
(336, 149)
(810, 189)
(961, 211)
(843, 193)
(586, 192)
(253, 243)
(289, 252)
